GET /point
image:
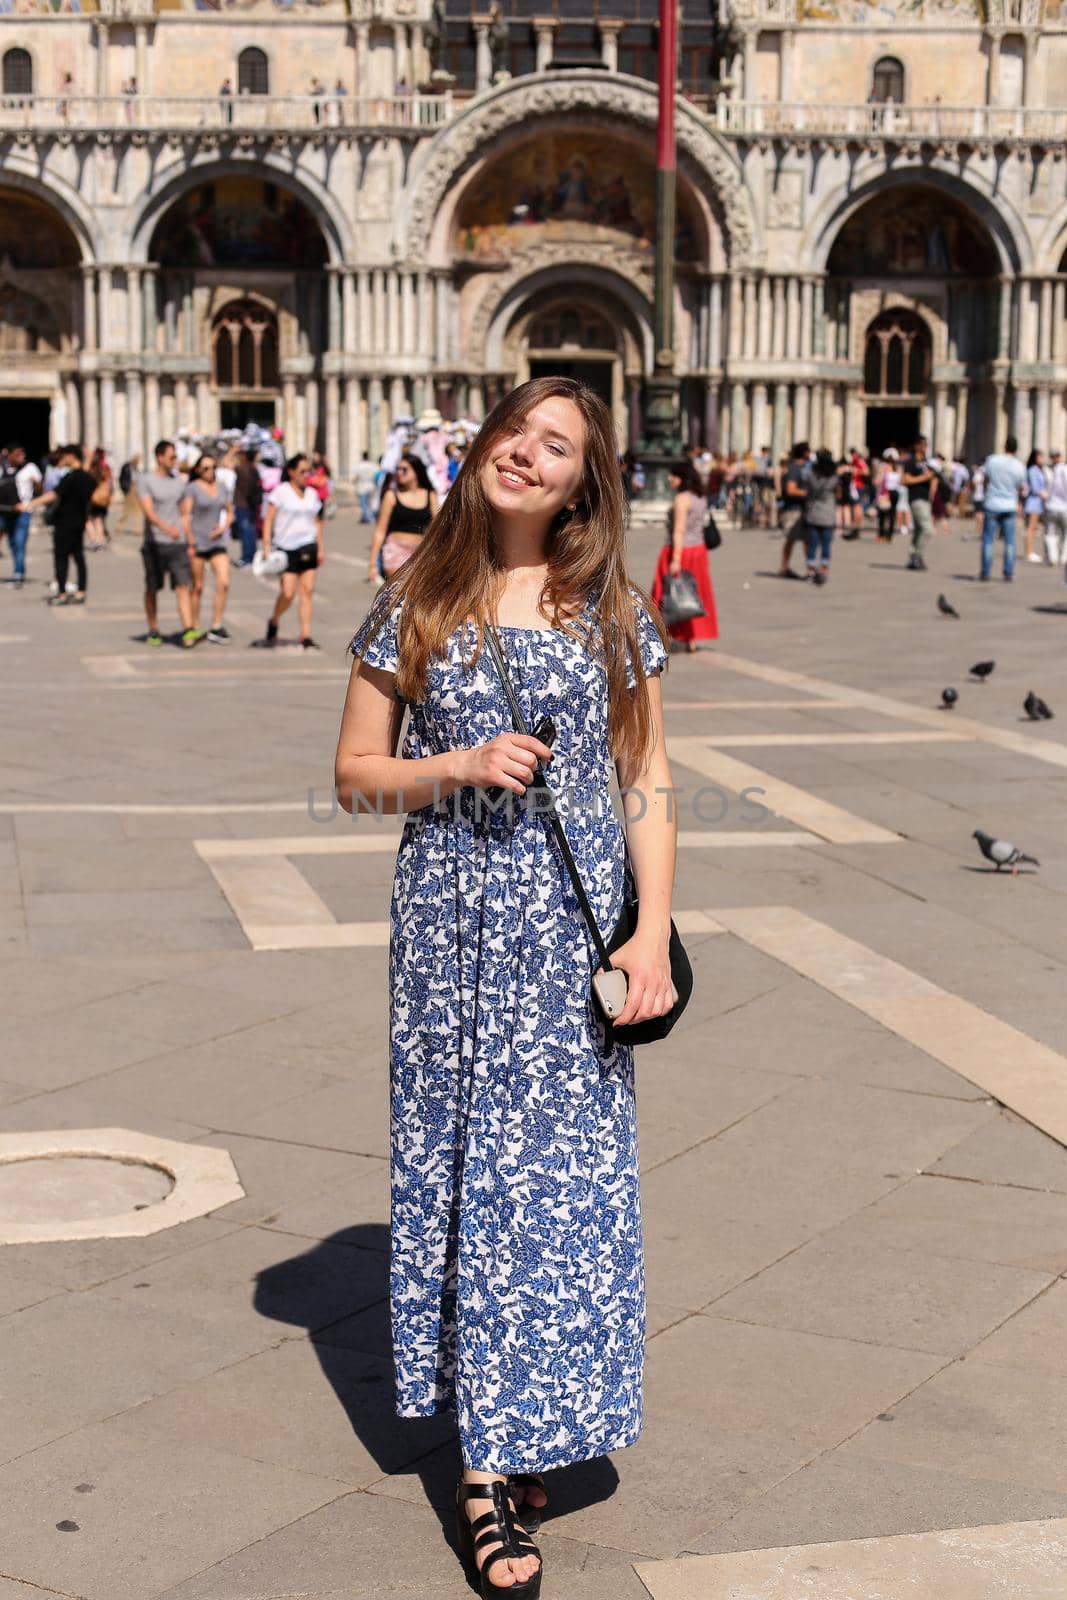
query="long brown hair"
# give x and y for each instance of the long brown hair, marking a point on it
(455, 574)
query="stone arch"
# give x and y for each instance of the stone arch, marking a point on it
(1051, 253)
(58, 197)
(1005, 228)
(492, 120)
(307, 190)
(511, 291)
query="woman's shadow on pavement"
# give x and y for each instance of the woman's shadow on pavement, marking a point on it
(354, 1348)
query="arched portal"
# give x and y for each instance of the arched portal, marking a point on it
(40, 322)
(241, 288)
(578, 328)
(912, 301)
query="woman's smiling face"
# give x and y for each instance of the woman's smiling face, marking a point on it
(536, 469)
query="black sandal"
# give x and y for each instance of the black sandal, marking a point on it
(530, 1517)
(496, 1527)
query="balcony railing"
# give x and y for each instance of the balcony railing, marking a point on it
(747, 117)
(244, 113)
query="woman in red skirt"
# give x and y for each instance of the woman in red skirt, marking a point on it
(685, 550)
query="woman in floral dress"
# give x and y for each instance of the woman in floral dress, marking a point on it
(517, 1281)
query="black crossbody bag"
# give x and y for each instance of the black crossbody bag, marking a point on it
(610, 995)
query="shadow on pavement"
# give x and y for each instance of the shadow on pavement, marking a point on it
(355, 1355)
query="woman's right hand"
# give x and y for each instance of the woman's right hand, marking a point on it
(506, 762)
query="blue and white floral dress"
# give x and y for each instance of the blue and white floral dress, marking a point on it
(517, 1276)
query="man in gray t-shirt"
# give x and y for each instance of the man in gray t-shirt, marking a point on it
(165, 550)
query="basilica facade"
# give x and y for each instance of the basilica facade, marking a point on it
(323, 214)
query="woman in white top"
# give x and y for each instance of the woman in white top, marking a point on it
(293, 523)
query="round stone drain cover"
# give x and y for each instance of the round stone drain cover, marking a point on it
(64, 1188)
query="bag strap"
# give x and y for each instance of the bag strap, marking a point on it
(551, 813)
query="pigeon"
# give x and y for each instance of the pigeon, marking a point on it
(946, 608)
(949, 697)
(1001, 853)
(982, 669)
(1036, 709)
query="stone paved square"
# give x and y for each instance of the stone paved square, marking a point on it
(855, 1176)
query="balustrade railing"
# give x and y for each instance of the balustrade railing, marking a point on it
(226, 113)
(742, 117)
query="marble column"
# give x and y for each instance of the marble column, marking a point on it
(398, 399)
(764, 328)
(292, 443)
(187, 317)
(392, 312)
(545, 35)
(1005, 319)
(104, 306)
(90, 412)
(737, 419)
(1045, 330)
(376, 428)
(441, 343)
(101, 35)
(107, 412)
(993, 75)
(364, 314)
(801, 413)
(958, 440)
(332, 427)
(353, 424)
(89, 308)
(748, 347)
(759, 419)
(778, 319)
(150, 307)
(401, 62)
(1058, 302)
(378, 281)
(151, 412)
(72, 422)
(792, 319)
(818, 316)
(135, 440)
(134, 312)
(406, 342)
(735, 329)
(748, 64)
(786, 41)
(334, 335)
(349, 333)
(302, 439)
(1042, 419)
(362, 61)
(807, 289)
(779, 442)
(715, 324)
(938, 441)
(609, 42)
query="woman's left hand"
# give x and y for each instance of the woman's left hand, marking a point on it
(649, 991)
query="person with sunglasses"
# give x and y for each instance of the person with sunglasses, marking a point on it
(293, 524)
(207, 512)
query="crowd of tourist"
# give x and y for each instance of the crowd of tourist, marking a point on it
(202, 494)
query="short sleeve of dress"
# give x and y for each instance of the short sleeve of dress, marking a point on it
(653, 655)
(380, 652)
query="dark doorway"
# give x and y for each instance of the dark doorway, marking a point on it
(239, 413)
(26, 422)
(597, 374)
(886, 425)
